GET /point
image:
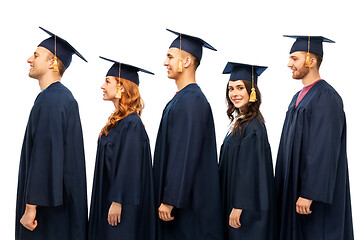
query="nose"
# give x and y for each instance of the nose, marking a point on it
(234, 93)
(290, 63)
(30, 60)
(166, 62)
(103, 86)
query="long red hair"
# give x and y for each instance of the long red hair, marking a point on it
(130, 102)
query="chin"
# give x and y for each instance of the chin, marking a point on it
(170, 76)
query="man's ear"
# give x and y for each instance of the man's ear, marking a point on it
(51, 65)
(313, 62)
(187, 61)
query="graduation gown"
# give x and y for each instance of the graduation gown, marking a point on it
(312, 164)
(123, 174)
(247, 183)
(185, 168)
(52, 169)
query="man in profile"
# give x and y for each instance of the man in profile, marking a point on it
(187, 190)
(311, 176)
(51, 197)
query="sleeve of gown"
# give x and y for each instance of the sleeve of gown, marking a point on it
(45, 175)
(323, 133)
(189, 122)
(126, 185)
(251, 191)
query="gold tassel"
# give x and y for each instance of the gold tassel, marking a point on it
(179, 69)
(307, 61)
(55, 67)
(253, 92)
(252, 95)
(118, 93)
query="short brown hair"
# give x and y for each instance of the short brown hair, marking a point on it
(318, 59)
(195, 60)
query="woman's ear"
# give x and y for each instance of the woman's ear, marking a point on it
(122, 89)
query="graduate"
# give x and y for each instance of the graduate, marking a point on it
(312, 181)
(245, 167)
(51, 197)
(122, 203)
(187, 190)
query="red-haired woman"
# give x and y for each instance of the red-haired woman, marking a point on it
(122, 203)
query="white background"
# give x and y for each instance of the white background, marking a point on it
(134, 32)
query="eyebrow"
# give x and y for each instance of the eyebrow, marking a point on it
(239, 85)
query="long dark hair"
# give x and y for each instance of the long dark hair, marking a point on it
(249, 111)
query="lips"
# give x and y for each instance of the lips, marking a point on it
(237, 99)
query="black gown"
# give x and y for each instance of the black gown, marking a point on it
(52, 169)
(312, 164)
(185, 168)
(247, 183)
(123, 174)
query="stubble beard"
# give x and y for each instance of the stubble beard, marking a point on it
(301, 73)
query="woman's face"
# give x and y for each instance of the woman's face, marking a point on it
(109, 88)
(237, 93)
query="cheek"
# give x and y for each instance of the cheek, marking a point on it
(245, 95)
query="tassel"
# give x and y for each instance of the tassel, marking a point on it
(118, 93)
(252, 95)
(179, 69)
(307, 61)
(55, 67)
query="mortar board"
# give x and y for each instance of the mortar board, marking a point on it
(312, 44)
(193, 45)
(60, 48)
(240, 71)
(125, 71)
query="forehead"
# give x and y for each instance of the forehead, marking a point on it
(236, 83)
(298, 54)
(111, 79)
(173, 51)
(42, 50)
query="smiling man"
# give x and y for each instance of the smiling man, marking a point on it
(312, 180)
(187, 190)
(51, 197)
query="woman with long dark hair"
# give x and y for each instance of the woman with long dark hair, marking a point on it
(245, 167)
(122, 203)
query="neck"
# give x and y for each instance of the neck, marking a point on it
(311, 77)
(187, 77)
(48, 79)
(116, 103)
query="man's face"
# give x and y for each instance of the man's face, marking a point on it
(297, 65)
(171, 62)
(39, 63)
